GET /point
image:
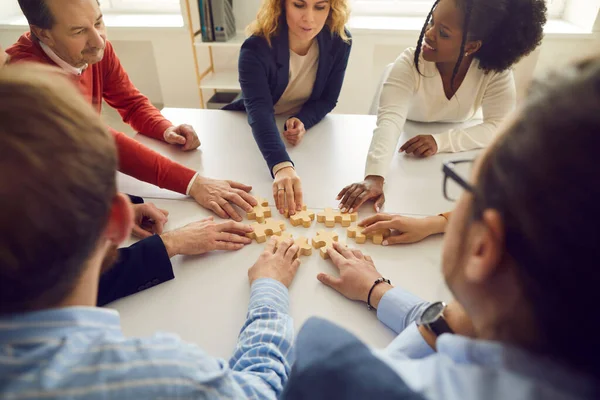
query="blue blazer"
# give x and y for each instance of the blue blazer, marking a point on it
(264, 76)
(333, 364)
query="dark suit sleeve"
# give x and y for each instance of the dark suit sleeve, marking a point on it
(314, 111)
(139, 267)
(258, 101)
(135, 199)
(332, 364)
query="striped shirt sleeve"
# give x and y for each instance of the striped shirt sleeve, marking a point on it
(262, 358)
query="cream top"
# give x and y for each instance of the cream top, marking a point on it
(303, 73)
(408, 95)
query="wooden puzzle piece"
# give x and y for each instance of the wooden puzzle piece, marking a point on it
(304, 218)
(304, 248)
(268, 228)
(330, 218)
(376, 237)
(323, 241)
(356, 233)
(260, 211)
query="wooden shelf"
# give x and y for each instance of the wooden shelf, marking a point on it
(235, 41)
(224, 80)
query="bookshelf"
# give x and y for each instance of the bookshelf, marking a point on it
(210, 78)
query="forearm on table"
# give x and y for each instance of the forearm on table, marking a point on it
(475, 137)
(436, 224)
(271, 146)
(147, 165)
(398, 308)
(145, 118)
(264, 351)
(313, 112)
(383, 146)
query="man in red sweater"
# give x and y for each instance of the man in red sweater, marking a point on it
(71, 34)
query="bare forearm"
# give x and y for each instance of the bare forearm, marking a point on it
(436, 224)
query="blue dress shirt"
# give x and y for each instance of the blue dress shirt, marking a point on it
(81, 353)
(332, 364)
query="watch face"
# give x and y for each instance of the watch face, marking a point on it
(432, 312)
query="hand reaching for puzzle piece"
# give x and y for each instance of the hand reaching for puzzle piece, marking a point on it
(304, 218)
(375, 236)
(304, 248)
(260, 211)
(323, 241)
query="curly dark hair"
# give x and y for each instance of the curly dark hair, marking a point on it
(508, 30)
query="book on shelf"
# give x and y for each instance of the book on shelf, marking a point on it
(217, 21)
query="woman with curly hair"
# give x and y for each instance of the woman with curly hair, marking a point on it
(462, 63)
(293, 64)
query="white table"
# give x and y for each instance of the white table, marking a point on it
(206, 303)
(331, 156)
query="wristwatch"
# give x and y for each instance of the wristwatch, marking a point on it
(432, 318)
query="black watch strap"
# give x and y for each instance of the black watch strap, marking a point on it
(432, 318)
(440, 326)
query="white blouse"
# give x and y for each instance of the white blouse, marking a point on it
(408, 95)
(302, 76)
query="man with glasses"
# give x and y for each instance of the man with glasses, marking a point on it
(418, 324)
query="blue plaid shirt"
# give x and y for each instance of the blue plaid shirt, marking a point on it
(80, 352)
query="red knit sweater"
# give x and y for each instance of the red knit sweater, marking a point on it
(108, 80)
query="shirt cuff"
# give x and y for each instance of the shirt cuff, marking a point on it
(409, 343)
(270, 293)
(376, 169)
(398, 308)
(443, 142)
(189, 186)
(162, 128)
(281, 166)
(135, 199)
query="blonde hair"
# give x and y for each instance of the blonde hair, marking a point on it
(267, 19)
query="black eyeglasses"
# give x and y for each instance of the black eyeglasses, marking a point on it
(456, 174)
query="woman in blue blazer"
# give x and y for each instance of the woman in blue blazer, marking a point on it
(293, 64)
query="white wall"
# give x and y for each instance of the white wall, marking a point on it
(160, 62)
(578, 13)
(9, 7)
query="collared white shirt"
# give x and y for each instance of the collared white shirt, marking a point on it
(62, 63)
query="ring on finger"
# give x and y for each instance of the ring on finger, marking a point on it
(280, 189)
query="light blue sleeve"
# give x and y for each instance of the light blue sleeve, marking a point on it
(262, 358)
(399, 308)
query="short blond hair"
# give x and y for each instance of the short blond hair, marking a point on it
(267, 19)
(57, 182)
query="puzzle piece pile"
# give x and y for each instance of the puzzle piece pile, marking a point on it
(265, 226)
